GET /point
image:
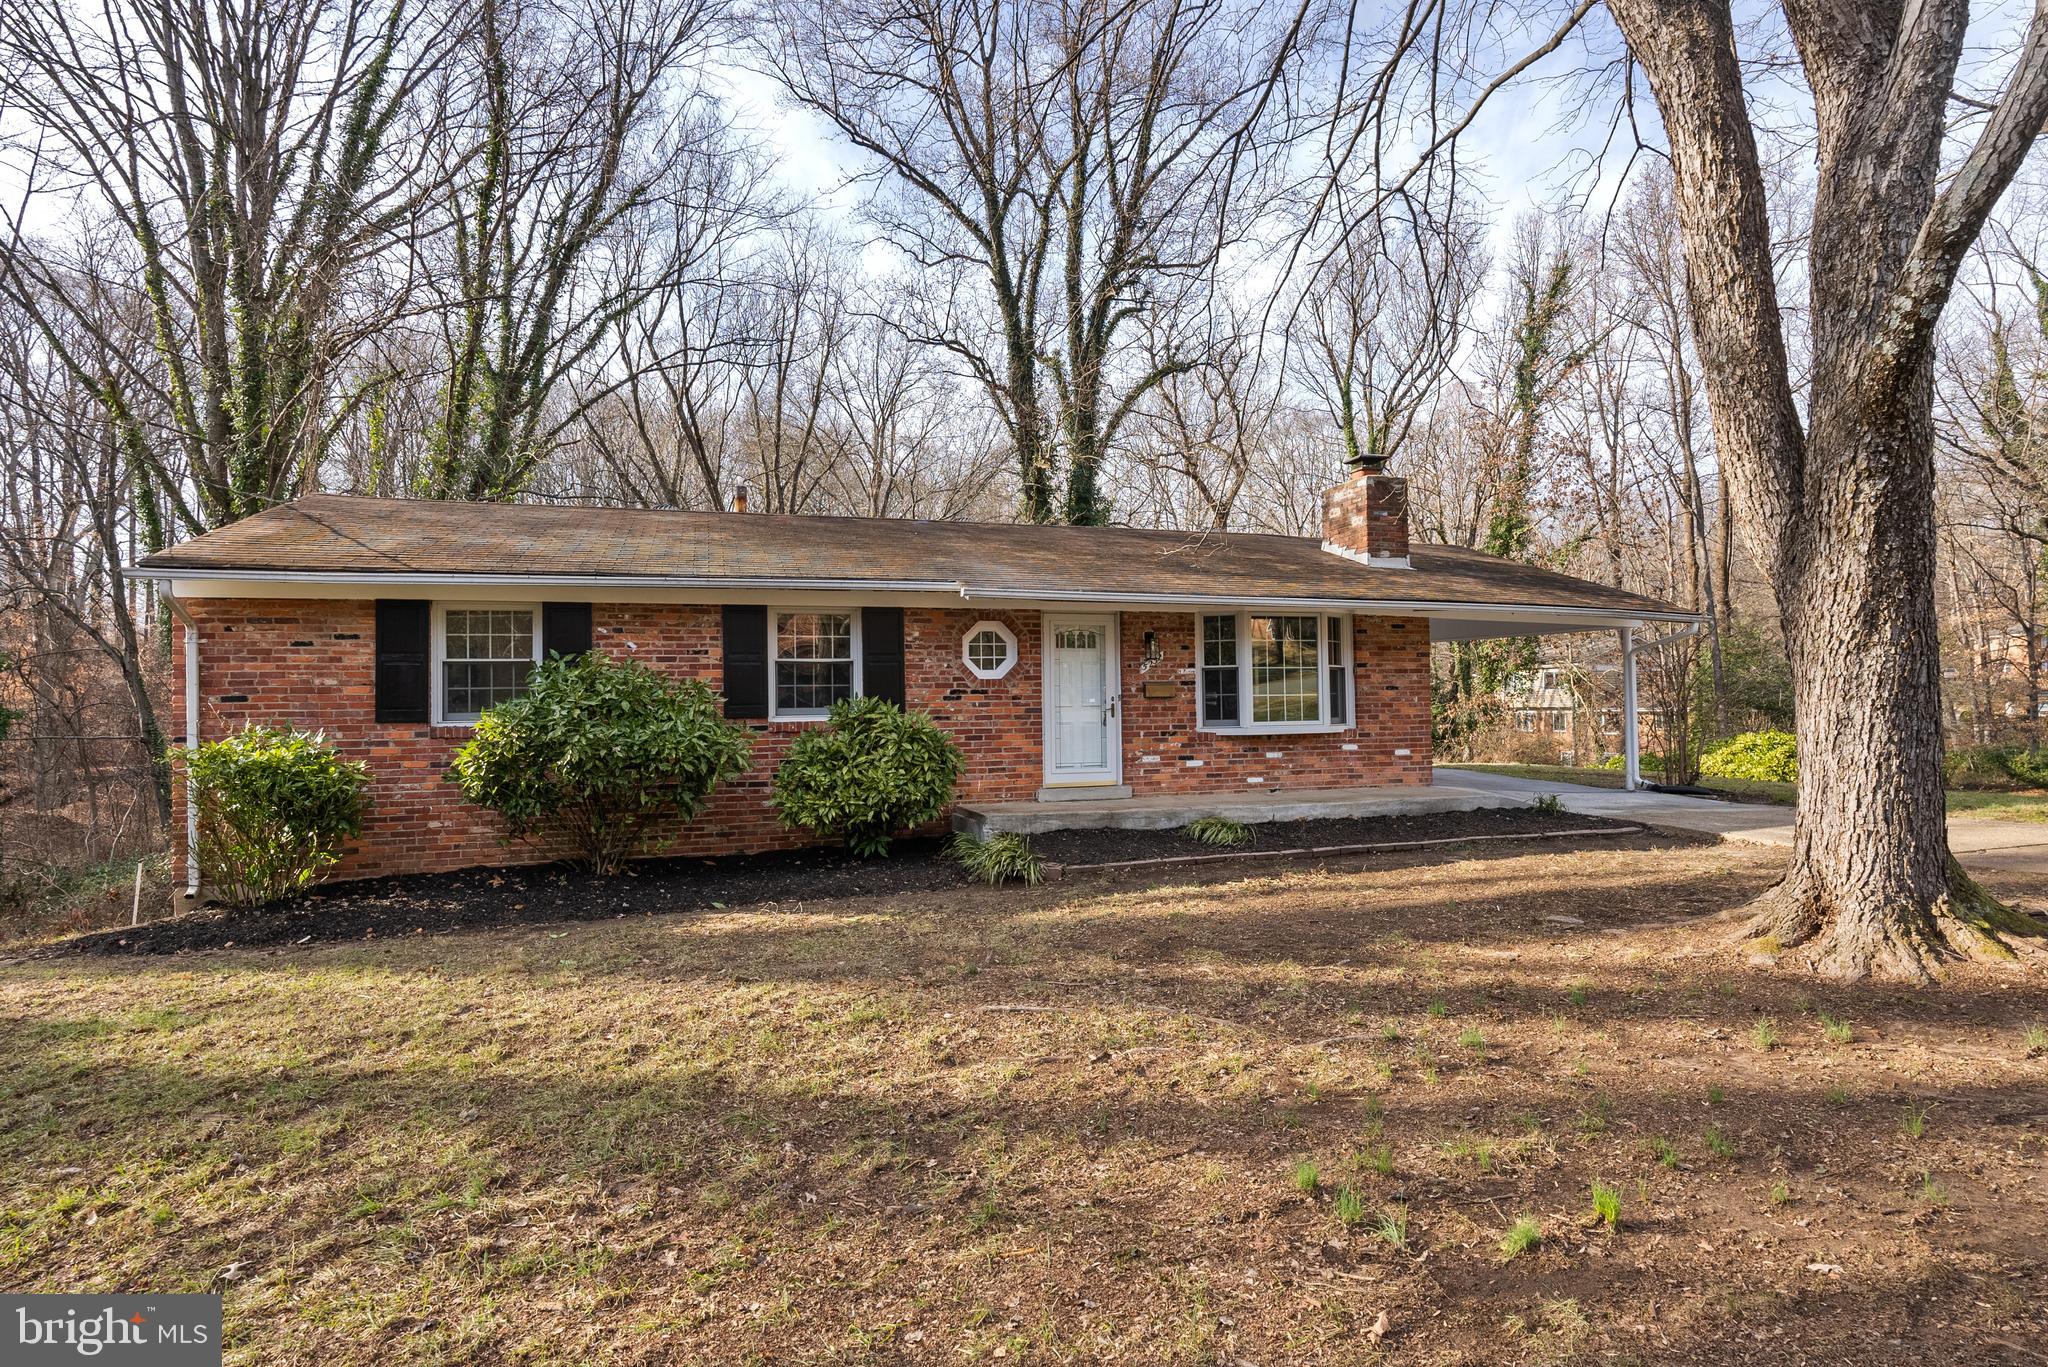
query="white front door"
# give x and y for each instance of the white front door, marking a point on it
(1084, 734)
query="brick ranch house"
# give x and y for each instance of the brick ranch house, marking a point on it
(1098, 662)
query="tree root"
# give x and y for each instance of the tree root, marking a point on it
(1907, 943)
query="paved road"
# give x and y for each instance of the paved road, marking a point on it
(2016, 846)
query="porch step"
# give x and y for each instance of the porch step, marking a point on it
(984, 819)
(1086, 792)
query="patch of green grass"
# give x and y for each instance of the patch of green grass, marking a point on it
(1781, 1194)
(1393, 1226)
(1004, 858)
(1607, 1205)
(1439, 1008)
(1391, 1032)
(1716, 1094)
(1379, 1160)
(1306, 1180)
(1479, 1152)
(1836, 1031)
(1764, 1034)
(1550, 804)
(1349, 1208)
(2036, 1038)
(1470, 1038)
(1596, 1115)
(1220, 831)
(1931, 1192)
(1521, 1236)
(1913, 1118)
(2000, 806)
(1665, 1152)
(1718, 1144)
(1578, 994)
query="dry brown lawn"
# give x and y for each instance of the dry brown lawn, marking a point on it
(1271, 1117)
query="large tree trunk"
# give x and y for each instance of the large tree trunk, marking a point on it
(1840, 507)
(1870, 872)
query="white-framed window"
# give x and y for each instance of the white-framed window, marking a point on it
(814, 662)
(989, 650)
(1286, 671)
(483, 653)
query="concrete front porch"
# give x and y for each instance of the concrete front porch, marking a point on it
(984, 819)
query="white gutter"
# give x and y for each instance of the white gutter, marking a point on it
(191, 740)
(967, 592)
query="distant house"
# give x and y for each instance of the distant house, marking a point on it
(1098, 662)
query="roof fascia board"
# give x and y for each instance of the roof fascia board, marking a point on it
(203, 584)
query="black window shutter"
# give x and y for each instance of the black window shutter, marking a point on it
(746, 661)
(564, 629)
(881, 654)
(402, 659)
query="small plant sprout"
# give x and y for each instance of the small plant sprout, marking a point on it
(1781, 1194)
(998, 859)
(1607, 1206)
(1931, 1191)
(1764, 1034)
(1349, 1208)
(1716, 1094)
(1438, 1009)
(1470, 1038)
(1306, 1180)
(1665, 1152)
(1381, 1160)
(1913, 1119)
(2036, 1039)
(1550, 804)
(1523, 1235)
(1579, 994)
(1393, 1226)
(1219, 831)
(1718, 1144)
(1391, 1032)
(1835, 1030)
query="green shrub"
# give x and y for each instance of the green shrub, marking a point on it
(1994, 768)
(274, 807)
(595, 752)
(1763, 756)
(1650, 762)
(871, 770)
(998, 859)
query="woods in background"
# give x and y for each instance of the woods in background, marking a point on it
(1165, 262)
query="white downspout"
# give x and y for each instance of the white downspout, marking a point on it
(1631, 762)
(191, 739)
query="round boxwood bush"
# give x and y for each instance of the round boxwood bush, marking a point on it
(273, 808)
(1766, 756)
(871, 770)
(595, 752)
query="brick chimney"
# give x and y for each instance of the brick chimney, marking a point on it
(1366, 519)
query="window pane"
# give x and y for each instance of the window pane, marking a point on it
(814, 636)
(813, 660)
(1283, 669)
(988, 651)
(1219, 642)
(486, 655)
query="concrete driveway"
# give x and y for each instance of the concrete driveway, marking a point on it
(1983, 846)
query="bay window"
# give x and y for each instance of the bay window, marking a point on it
(1275, 672)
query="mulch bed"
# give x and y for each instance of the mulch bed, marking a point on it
(430, 904)
(1081, 848)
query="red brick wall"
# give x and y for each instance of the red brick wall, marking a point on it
(310, 663)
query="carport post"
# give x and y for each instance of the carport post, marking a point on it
(1631, 757)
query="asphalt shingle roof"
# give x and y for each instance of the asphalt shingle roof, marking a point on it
(406, 538)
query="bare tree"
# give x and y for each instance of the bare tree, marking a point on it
(1838, 500)
(1067, 166)
(244, 154)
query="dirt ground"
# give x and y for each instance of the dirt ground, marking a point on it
(1282, 1116)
